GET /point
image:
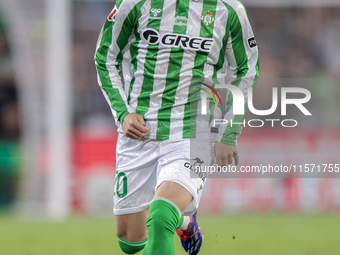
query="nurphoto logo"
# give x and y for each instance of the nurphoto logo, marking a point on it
(239, 98)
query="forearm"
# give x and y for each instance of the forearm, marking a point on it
(108, 59)
(243, 57)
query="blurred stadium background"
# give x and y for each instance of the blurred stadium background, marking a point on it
(57, 136)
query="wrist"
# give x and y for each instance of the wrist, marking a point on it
(229, 141)
(122, 116)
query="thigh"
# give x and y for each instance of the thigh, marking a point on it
(132, 227)
(183, 162)
(176, 193)
(135, 175)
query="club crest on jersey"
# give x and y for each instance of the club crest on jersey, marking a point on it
(181, 21)
(208, 18)
(155, 13)
(112, 15)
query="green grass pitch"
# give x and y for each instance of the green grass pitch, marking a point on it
(224, 235)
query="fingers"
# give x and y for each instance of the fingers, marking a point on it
(218, 155)
(230, 158)
(222, 160)
(141, 120)
(236, 158)
(218, 160)
(131, 135)
(141, 128)
(225, 154)
(134, 132)
(134, 126)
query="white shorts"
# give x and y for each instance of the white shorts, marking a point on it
(142, 165)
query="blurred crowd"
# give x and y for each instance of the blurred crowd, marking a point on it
(9, 122)
(9, 125)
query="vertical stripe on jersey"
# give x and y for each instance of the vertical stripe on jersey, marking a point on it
(177, 112)
(218, 64)
(113, 94)
(172, 79)
(109, 57)
(139, 50)
(149, 65)
(238, 118)
(246, 66)
(221, 66)
(134, 52)
(189, 122)
(161, 67)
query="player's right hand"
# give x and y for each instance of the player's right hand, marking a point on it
(134, 126)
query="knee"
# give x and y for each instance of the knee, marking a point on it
(158, 222)
(130, 247)
(163, 215)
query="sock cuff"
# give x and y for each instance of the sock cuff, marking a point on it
(169, 202)
(184, 224)
(141, 243)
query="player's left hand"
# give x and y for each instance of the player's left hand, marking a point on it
(225, 154)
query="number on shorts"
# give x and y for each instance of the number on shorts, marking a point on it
(119, 176)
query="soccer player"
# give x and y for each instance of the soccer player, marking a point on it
(155, 59)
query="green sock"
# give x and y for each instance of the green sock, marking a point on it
(180, 222)
(130, 247)
(164, 217)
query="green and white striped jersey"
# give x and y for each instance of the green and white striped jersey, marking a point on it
(152, 57)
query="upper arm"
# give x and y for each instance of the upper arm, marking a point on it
(241, 48)
(115, 34)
